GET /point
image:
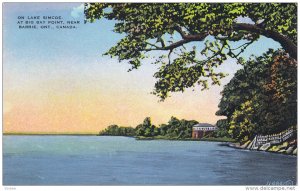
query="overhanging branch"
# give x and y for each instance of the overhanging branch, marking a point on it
(186, 39)
(287, 44)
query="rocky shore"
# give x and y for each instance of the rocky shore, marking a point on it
(287, 147)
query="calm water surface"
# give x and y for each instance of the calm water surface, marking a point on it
(91, 160)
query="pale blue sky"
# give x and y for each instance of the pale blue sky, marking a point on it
(41, 64)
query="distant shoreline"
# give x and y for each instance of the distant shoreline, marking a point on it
(52, 134)
(225, 141)
(210, 139)
(139, 138)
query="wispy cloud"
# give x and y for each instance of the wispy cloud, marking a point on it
(77, 11)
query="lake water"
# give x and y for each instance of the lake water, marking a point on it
(92, 160)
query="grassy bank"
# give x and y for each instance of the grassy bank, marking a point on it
(216, 139)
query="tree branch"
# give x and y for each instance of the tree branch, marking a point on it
(186, 39)
(287, 44)
(180, 31)
(152, 44)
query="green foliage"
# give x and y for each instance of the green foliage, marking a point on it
(242, 123)
(115, 130)
(166, 29)
(223, 127)
(177, 128)
(261, 97)
(146, 129)
(174, 129)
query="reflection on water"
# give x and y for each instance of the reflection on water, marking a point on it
(91, 160)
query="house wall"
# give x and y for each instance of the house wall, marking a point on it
(198, 134)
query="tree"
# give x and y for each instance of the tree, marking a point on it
(168, 29)
(223, 127)
(177, 128)
(173, 125)
(163, 129)
(115, 130)
(140, 131)
(146, 128)
(262, 97)
(242, 124)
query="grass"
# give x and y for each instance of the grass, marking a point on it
(216, 139)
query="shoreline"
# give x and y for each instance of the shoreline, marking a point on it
(225, 141)
(212, 139)
(237, 145)
(139, 138)
(48, 134)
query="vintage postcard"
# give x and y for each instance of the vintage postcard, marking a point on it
(149, 94)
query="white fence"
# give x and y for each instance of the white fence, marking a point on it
(274, 138)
